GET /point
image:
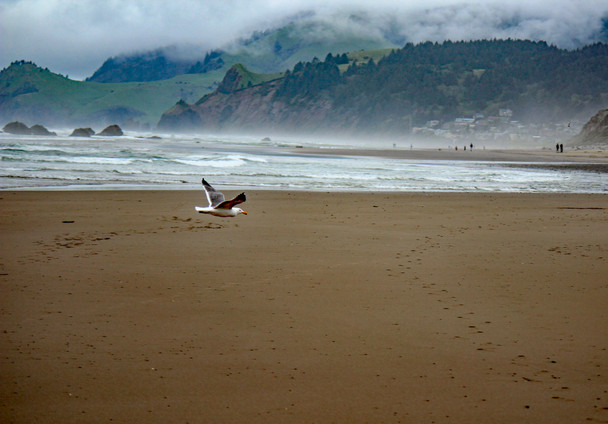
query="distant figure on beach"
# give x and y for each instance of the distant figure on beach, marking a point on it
(471, 146)
(557, 147)
(561, 148)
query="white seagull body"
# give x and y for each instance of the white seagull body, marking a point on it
(218, 206)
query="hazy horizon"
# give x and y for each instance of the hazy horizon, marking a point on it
(90, 32)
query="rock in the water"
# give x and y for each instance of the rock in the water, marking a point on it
(82, 132)
(40, 130)
(17, 127)
(112, 130)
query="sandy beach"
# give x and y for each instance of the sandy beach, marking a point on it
(588, 160)
(127, 306)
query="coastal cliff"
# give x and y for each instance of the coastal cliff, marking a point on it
(243, 99)
(400, 91)
(254, 108)
(594, 132)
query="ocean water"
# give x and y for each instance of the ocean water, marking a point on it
(142, 162)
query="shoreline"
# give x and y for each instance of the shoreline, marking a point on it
(569, 158)
(127, 306)
(592, 161)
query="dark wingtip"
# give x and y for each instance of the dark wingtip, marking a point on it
(241, 197)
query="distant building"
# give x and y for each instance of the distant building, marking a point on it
(499, 128)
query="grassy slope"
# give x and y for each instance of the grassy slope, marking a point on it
(281, 49)
(80, 101)
(153, 98)
(253, 78)
(84, 103)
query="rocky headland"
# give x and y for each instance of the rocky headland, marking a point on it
(594, 133)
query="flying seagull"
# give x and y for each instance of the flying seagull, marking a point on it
(218, 206)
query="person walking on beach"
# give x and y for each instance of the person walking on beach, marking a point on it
(561, 148)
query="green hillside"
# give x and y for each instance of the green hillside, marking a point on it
(281, 49)
(35, 95)
(239, 77)
(135, 90)
(31, 94)
(269, 51)
(393, 91)
(431, 81)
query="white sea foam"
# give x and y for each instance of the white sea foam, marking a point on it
(242, 162)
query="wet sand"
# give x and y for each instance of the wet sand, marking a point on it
(584, 160)
(127, 306)
(477, 154)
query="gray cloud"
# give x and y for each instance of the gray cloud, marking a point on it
(75, 36)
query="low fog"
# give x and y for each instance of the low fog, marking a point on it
(74, 37)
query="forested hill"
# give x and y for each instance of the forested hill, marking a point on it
(269, 51)
(415, 84)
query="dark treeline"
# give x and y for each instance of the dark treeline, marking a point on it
(150, 66)
(212, 61)
(445, 80)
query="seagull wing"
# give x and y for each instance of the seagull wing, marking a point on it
(213, 196)
(228, 204)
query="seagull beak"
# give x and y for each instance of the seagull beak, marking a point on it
(244, 213)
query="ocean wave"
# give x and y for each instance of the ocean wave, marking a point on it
(228, 161)
(64, 162)
(18, 152)
(72, 159)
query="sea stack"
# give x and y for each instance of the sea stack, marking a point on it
(40, 130)
(112, 130)
(17, 127)
(82, 132)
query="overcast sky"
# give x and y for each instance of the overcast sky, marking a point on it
(74, 37)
